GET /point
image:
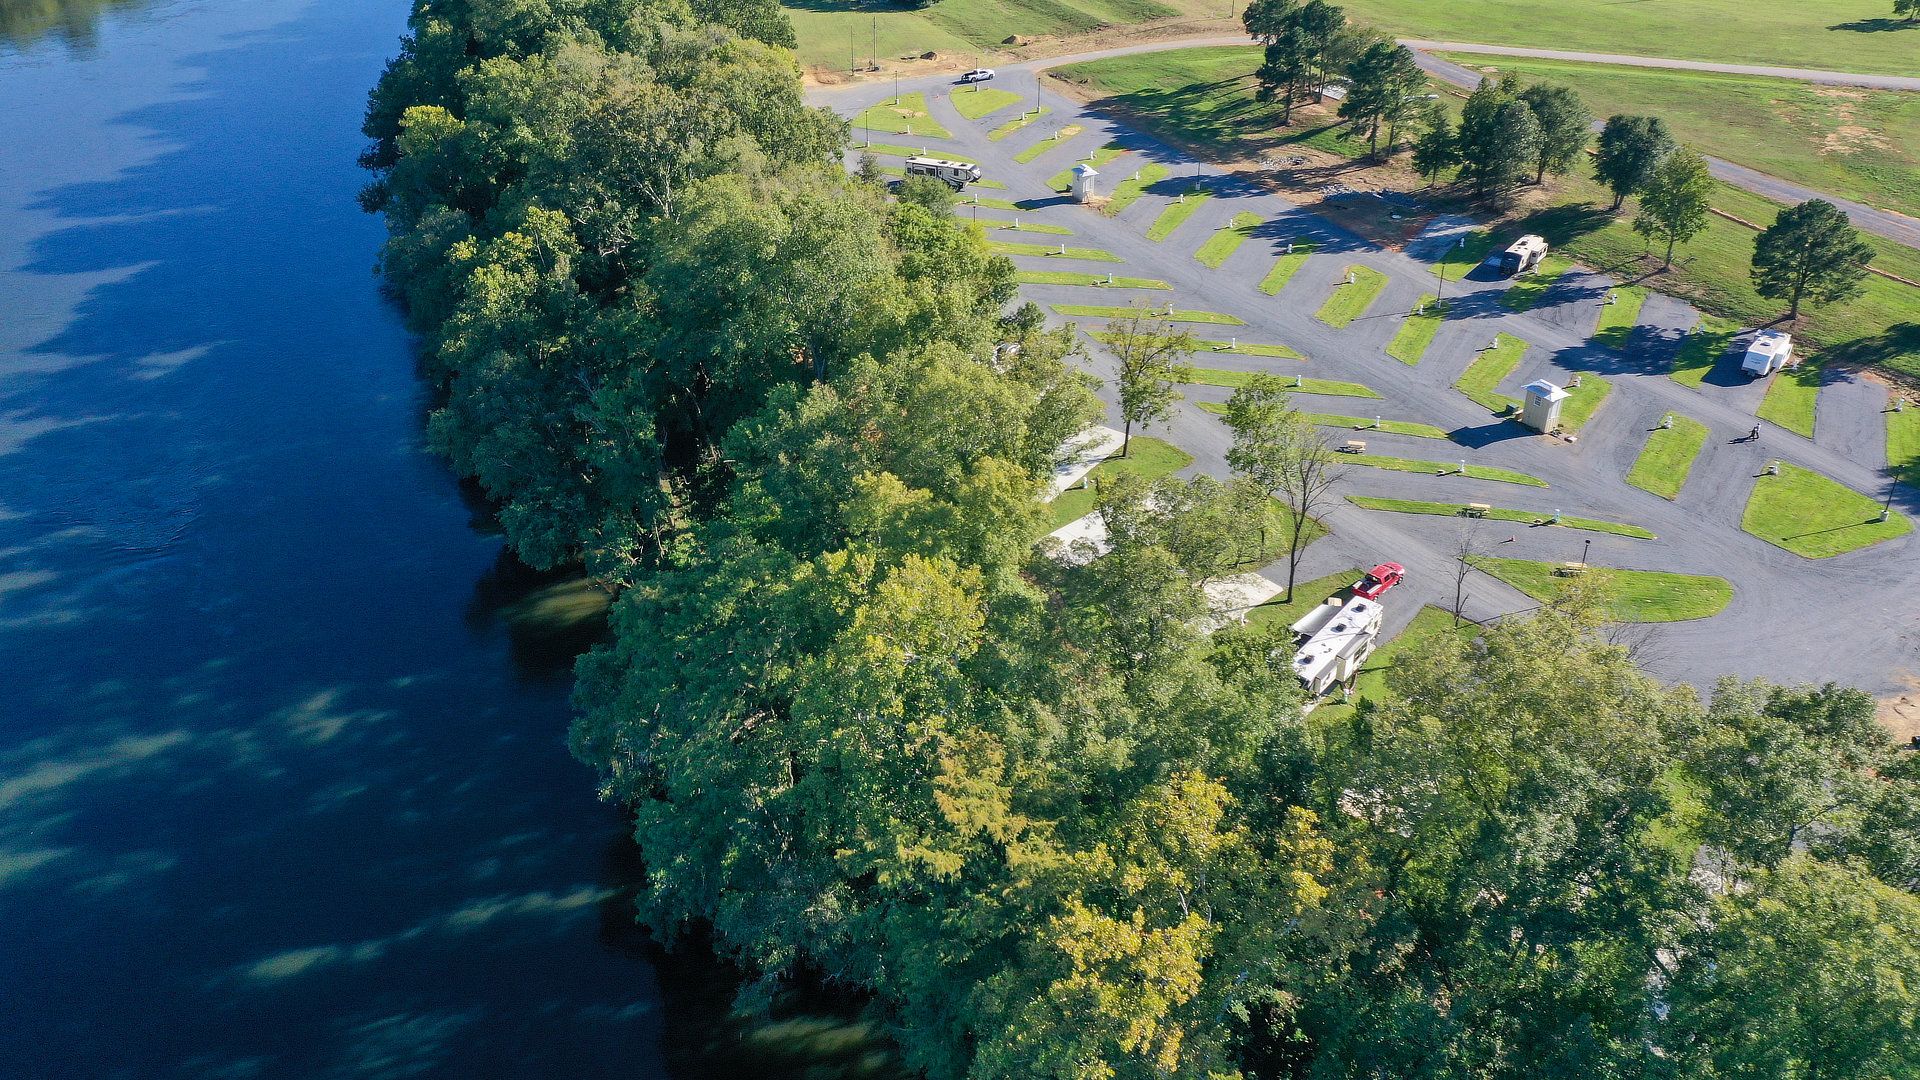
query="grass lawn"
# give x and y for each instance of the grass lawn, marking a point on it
(1227, 239)
(882, 149)
(1071, 277)
(976, 101)
(1706, 343)
(1365, 424)
(1176, 215)
(990, 203)
(1527, 517)
(1016, 123)
(1816, 517)
(1236, 379)
(1128, 191)
(1114, 311)
(1147, 458)
(1852, 141)
(1248, 348)
(1284, 268)
(1062, 181)
(1640, 596)
(1903, 444)
(1059, 138)
(1792, 396)
(1457, 262)
(1307, 595)
(1057, 251)
(1349, 302)
(904, 115)
(1443, 468)
(1665, 461)
(1489, 370)
(1530, 289)
(1016, 225)
(1410, 344)
(1837, 34)
(1584, 401)
(1618, 319)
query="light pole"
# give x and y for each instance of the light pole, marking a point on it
(1886, 508)
(1584, 548)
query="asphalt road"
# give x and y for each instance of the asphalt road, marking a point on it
(1851, 618)
(1812, 75)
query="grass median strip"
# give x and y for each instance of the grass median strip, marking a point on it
(1059, 138)
(1056, 251)
(1365, 424)
(904, 115)
(896, 150)
(1528, 291)
(1816, 517)
(1110, 311)
(1285, 267)
(1583, 401)
(1016, 124)
(1458, 260)
(1792, 398)
(1489, 370)
(1443, 468)
(1233, 380)
(1098, 281)
(1618, 319)
(1147, 458)
(1229, 348)
(1128, 191)
(1037, 227)
(1903, 444)
(1705, 345)
(1062, 181)
(1410, 344)
(990, 203)
(1227, 239)
(1350, 301)
(1640, 596)
(977, 101)
(1525, 517)
(1667, 459)
(1175, 215)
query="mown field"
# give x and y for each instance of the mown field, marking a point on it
(1839, 35)
(1863, 144)
(832, 31)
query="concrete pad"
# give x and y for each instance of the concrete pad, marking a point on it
(1082, 540)
(1229, 599)
(1082, 453)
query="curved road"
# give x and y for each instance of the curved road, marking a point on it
(1886, 224)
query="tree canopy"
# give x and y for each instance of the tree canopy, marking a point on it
(1810, 252)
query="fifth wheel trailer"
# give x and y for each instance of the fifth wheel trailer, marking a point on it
(1333, 641)
(957, 174)
(1522, 255)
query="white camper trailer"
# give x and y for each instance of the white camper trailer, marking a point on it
(1770, 351)
(1333, 641)
(1522, 255)
(957, 174)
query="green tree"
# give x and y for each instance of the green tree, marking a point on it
(1150, 361)
(1498, 139)
(1436, 150)
(1631, 147)
(1910, 9)
(1379, 83)
(1675, 206)
(1813, 972)
(1810, 252)
(1285, 69)
(1282, 457)
(1563, 123)
(1268, 20)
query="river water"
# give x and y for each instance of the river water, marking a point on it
(283, 788)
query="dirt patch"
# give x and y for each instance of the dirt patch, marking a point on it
(1900, 714)
(1851, 139)
(1020, 50)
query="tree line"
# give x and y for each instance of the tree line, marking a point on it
(1511, 134)
(867, 728)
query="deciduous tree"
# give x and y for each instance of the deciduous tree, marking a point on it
(1674, 206)
(1630, 148)
(1563, 127)
(1151, 360)
(1810, 252)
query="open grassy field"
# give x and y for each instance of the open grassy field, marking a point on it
(1526, 517)
(1350, 301)
(1442, 468)
(1489, 370)
(904, 115)
(1841, 35)
(1792, 397)
(1903, 444)
(1458, 261)
(1227, 239)
(832, 31)
(1639, 596)
(1585, 400)
(1667, 459)
(1860, 143)
(1410, 343)
(1816, 517)
(1147, 458)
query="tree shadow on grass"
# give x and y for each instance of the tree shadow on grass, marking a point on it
(1896, 350)
(1876, 26)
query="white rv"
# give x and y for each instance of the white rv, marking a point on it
(1333, 641)
(957, 174)
(1770, 351)
(1522, 255)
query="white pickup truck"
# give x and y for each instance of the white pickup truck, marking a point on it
(1770, 351)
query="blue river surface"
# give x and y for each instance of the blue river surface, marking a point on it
(284, 788)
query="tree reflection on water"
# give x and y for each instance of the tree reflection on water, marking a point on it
(23, 23)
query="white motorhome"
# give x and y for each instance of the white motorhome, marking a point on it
(1522, 255)
(957, 174)
(1770, 351)
(1333, 641)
